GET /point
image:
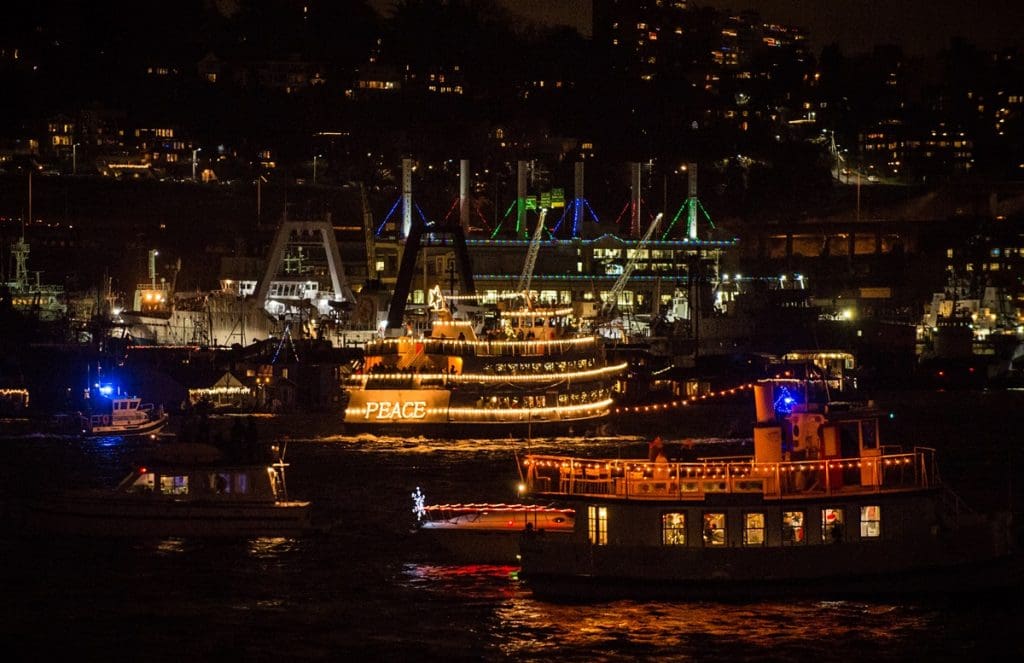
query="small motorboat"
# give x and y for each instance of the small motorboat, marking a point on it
(125, 417)
(183, 490)
(488, 533)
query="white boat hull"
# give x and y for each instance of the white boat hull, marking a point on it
(132, 429)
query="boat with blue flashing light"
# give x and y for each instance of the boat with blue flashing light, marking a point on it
(823, 507)
(124, 417)
(184, 490)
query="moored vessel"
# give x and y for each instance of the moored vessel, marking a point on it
(530, 371)
(183, 490)
(822, 507)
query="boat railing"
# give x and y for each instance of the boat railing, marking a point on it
(481, 348)
(641, 479)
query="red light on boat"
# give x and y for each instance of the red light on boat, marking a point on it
(142, 470)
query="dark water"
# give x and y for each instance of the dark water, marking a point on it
(365, 591)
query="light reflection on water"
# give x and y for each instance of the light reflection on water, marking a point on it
(359, 592)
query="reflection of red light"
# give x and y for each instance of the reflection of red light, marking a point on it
(970, 370)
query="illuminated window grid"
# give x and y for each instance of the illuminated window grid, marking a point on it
(597, 525)
(714, 529)
(673, 529)
(870, 522)
(793, 527)
(753, 529)
(831, 525)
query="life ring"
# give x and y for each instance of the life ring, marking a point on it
(105, 420)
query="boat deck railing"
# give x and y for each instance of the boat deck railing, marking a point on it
(641, 479)
(482, 348)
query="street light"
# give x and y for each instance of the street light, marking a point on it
(194, 153)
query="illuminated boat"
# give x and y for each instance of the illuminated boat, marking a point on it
(822, 507)
(532, 371)
(186, 490)
(487, 533)
(124, 417)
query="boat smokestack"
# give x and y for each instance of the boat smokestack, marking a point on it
(764, 403)
(767, 431)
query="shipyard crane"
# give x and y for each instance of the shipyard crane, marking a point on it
(613, 295)
(531, 257)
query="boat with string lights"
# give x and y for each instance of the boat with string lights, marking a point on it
(520, 370)
(822, 507)
(484, 533)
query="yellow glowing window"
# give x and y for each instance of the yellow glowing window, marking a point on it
(597, 525)
(792, 527)
(832, 525)
(174, 485)
(753, 529)
(673, 529)
(870, 522)
(714, 529)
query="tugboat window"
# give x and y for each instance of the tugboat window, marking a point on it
(673, 529)
(832, 525)
(792, 527)
(597, 525)
(753, 529)
(714, 529)
(870, 522)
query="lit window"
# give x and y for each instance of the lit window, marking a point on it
(832, 525)
(597, 525)
(792, 527)
(870, 522)
(673, 529)
(753, 529)
(714, 529)
(174, 485)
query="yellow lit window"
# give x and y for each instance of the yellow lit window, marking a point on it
(753, 529)
(597, 525)
(714, 529)
(673, 529)
(832, 525)
(870, 522)
(792, 527)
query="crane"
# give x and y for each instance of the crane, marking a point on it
(531, 257)
(613, 295)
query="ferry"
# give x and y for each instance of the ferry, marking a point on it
(822, 507)
(532, 371)
(126, 416)
(184, 490)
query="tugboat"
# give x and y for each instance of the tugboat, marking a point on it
(125, 417)
(822, 507)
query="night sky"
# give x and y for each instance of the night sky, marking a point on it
(922, 27)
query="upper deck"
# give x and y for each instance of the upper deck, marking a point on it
(624, 479)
